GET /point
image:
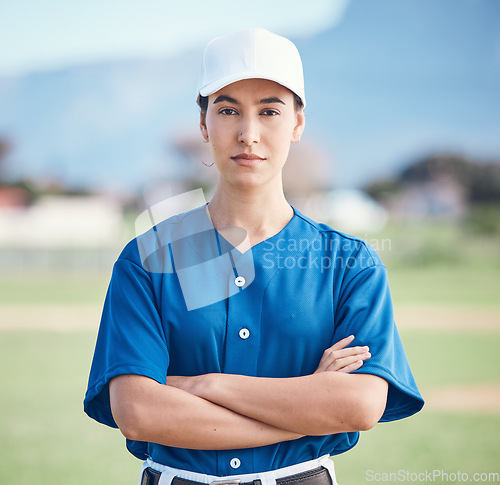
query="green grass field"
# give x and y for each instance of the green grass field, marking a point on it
(46, 439)
(47, 287)
(454, 284)
(44, 434)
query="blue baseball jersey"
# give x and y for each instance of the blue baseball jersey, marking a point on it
(183, 301)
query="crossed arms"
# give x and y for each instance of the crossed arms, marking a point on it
(226, 411)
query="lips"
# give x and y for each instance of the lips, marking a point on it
(247, 159)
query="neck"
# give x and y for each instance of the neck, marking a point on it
(261, 213)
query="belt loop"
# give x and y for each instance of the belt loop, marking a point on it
(166, 478)
(328, 464)
(267, 481)
(144, 466)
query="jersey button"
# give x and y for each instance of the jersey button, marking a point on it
(235, 463)
(239, 281)
(244, 333)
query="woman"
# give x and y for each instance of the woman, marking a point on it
(223, 352)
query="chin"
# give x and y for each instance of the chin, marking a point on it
(246, 181)
(247, 184)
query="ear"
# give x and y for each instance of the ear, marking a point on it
(203, 127)
(299, 127)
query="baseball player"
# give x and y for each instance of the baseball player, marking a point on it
(241, 341)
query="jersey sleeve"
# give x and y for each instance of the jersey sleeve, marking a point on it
(365, 310)
(131, 339)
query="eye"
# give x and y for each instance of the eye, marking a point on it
(269, 112)
(228, 111)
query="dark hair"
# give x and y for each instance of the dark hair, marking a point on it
(202, 102)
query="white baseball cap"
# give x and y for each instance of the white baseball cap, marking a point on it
(249, 54)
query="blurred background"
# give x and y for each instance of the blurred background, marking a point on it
(98, 121)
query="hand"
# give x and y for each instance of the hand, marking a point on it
(341, 359)
(196, 385)
(186, 383)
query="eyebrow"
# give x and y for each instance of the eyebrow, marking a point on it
(223, 98)
(228, 99)
(274, 99)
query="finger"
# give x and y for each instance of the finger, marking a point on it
(342, 343)
(351, 367)
(339, 354)
(340, 364)
(331, 356)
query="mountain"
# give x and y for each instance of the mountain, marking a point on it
(396, 79)
(393, 80)
(98, 125)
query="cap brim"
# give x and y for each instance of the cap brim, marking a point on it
(225, 81)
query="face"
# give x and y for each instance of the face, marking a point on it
(250, 125)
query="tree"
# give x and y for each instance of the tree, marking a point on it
(5, 147)
(479, 180)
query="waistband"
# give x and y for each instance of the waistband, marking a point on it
(266, 478)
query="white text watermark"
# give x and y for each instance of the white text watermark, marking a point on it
(430, 476)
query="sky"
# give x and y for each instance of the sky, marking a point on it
(38, 35)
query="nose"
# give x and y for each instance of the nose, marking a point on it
(248, 132)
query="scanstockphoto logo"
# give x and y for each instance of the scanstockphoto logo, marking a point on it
(320, 254)
(177, 235)
(432, 476)
(291, 254)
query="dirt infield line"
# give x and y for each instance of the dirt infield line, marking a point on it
(477, 399)
(482, 399)
(446, 317)
(86, 317)
(64, 318)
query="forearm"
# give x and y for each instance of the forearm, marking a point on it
(318, 404)
(148, 411)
